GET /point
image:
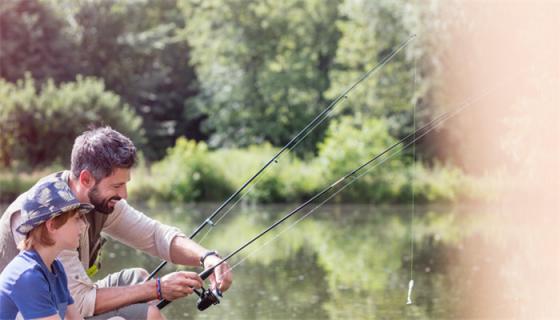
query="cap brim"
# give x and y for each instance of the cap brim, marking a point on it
(83, 208)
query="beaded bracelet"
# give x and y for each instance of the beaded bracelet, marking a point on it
(158, 288)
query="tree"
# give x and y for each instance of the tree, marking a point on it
(33, 39)
(135, 48)
(263, 66)
(38, 126)
(370, 31)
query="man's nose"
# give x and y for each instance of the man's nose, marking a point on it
(123, 193)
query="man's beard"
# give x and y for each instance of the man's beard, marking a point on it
(100, 204)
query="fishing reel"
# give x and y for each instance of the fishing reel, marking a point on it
(206, 298)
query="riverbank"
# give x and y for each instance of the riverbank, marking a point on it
(193, 173)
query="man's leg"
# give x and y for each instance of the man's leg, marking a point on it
(139, 311)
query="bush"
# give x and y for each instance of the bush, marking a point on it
(13, 183)
(39, 125)
(186, 174)
(191, 172)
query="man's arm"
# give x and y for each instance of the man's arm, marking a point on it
(187, 252)
(173, 286)
(108, 299)
(135, 229)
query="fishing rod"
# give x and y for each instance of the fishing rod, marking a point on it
(303, 133)
(208, 297)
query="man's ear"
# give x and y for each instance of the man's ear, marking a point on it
(86, 179)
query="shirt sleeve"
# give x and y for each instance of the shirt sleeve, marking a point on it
(82, 290)
(32, 296)
(137, 230)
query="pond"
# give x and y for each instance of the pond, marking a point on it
(344, 261)
(349, 261)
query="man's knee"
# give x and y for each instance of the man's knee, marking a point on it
(154, 313)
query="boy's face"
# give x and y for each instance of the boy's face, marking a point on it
(67, 236)
(107, 192)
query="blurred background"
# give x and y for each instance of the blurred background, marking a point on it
(211, 90)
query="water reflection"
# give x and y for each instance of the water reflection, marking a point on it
(341, 262)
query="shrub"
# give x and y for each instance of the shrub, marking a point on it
(39, 125)
(185, 174)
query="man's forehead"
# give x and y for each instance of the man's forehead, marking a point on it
(119, 175)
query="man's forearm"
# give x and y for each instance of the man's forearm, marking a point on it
(186, 252)
(108, 299)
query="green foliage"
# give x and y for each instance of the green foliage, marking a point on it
(132, 46)
(186, 174)
(135, 48)
(263, 66)
(265, 69)
(191, 172)
(370, 31)
(288, 179)
(32, 39)
(13, 184)
(39, 125)
(349, 143)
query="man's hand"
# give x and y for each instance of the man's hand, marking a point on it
(221, 277)
(179, 284)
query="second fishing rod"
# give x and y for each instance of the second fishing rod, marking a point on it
(209, 297)
(294, 141)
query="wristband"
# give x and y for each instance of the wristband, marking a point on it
(206, 255)
(158, 289)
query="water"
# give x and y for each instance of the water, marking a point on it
(341, 262)
(346, 261)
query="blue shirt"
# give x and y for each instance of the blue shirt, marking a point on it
(28, 286)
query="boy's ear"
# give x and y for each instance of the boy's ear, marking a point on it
(50, 225)
(86, 179)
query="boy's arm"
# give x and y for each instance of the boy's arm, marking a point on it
(53, 317)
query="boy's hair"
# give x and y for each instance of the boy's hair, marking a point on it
(100, 151)
(40, 235)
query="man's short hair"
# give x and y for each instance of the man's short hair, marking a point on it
(100, 151)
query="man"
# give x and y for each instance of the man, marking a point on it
(100, 169)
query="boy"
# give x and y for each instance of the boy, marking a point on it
(34, 282)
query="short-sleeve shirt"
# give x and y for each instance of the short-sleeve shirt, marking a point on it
(28, 286)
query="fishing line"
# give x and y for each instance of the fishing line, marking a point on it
(415, 103)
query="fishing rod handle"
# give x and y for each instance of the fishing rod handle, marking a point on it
(163, 303)
(206, 273)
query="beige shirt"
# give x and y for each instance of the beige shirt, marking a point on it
(126, 225)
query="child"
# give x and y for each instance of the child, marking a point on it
(34, 282)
